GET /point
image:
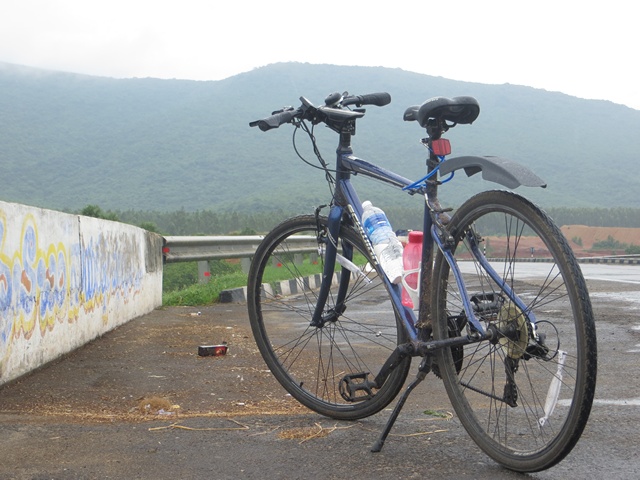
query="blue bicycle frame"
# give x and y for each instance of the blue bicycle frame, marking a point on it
(346, 202)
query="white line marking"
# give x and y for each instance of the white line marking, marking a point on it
(624, 402)
(588, 277)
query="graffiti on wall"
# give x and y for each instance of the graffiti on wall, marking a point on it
(43, 284)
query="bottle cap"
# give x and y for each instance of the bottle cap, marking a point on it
(415, 236)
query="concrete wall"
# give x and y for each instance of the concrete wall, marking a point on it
(67, 279)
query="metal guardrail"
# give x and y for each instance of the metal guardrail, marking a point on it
(192, 248)
(189, 249)
(203, 249)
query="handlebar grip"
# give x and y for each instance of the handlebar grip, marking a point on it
(274, 121)
(379, 99)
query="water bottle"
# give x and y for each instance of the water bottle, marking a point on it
(386, 245)
(411, 259)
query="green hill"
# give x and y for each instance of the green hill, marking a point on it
(70, 140)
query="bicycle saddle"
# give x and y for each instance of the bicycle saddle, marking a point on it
(457, 110)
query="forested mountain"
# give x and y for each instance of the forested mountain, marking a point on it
(69, 140)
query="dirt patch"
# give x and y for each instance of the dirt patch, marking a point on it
(149, 368)
(589, 235)
(581, 239)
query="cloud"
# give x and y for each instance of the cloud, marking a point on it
(585, 51)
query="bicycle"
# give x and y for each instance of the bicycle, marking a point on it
(513, 340)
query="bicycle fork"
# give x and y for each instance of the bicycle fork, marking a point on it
(320, 317)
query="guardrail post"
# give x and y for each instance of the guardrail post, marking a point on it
(203, 271)
(245, 263)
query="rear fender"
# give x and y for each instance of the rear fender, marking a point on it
(494, 169)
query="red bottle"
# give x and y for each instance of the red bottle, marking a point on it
(411, 257)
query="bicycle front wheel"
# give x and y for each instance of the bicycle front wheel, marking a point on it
(326, 367)
(525, 396)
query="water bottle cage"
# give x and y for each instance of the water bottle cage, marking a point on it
(414, 293)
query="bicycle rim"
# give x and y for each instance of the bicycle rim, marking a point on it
(313, 362)
(526, 396)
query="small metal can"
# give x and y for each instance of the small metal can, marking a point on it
(212, 350)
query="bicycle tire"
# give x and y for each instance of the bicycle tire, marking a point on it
(482, 379)
(310, 362)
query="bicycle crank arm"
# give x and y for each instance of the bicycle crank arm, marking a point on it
(357, 387)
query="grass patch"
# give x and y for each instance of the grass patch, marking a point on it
(181, 287)
(204, 293)
(275, 274)
(438, 414)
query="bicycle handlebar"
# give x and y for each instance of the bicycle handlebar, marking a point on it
(379, 99)
(307, 110)
(275, 120)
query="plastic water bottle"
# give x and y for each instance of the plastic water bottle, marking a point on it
(386, 245)
(411, 259)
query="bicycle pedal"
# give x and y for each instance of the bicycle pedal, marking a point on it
(355, 387)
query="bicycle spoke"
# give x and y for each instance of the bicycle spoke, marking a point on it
(356, 335)
(500, 389)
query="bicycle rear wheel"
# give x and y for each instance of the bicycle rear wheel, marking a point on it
(317, 364)
(525, 396)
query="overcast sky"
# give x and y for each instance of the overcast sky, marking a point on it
(583, 48)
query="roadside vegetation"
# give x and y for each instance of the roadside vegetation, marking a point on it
(611, 244)
(181, 286)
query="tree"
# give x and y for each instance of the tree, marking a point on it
(96, 212)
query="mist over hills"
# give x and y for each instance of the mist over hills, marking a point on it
(68, 140)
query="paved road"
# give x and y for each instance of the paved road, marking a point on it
(627, 274)
(98, 413)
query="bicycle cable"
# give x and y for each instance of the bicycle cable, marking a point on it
(421, 183)
(323, 164)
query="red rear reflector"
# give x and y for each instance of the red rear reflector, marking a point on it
(441, 147)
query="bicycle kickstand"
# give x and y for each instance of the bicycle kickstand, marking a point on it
(425, 367)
